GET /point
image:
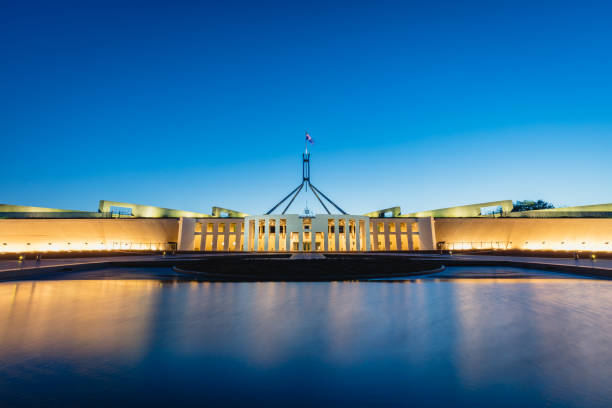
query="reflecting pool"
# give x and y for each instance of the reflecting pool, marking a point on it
(425, 342)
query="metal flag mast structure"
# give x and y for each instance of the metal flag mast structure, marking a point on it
(305, 183)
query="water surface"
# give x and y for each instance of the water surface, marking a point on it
(425, 342)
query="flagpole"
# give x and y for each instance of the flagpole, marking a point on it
(305, 149)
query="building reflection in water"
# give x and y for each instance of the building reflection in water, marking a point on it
(87, 317)
(545, 337)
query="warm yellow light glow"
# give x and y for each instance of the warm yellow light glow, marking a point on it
(50, 247)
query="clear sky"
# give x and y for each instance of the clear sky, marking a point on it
(193, 104)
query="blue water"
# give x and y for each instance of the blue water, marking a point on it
(160, 342)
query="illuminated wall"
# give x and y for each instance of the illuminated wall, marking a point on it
(28, 235)
(592, 234)
(324, 233)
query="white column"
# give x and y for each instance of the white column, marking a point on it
(215, 235)
(266, 233)
(326, 236)
(347, 235)
(313, 238)
(387, 233)
(288, 228)
(301, 237)
(375, 236)
(398, 238)
(245, 243)
(337, 233)
(357, 235)
(226, 243)
(276, 234)
(367, 234)
(256, 237)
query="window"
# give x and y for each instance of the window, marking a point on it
(115, 210)
(232, 227)
(209, 228)
(198, 227)
(272, 229)
(221, 227)
(392, 227)
(381, 227)
(220, 244)
(494, 209)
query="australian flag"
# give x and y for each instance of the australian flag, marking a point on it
(308, 138)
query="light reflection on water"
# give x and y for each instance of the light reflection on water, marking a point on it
(463, 342)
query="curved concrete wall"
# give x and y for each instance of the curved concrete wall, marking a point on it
(525, 233)
(86, 234)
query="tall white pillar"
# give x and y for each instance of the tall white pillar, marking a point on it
(266, 233)
(215, 236)
(337, 233)
(326, 236)
(245, 243)
(276, 234)
(398, 238)
(347, 234)
(226, 243)
(386, 232)
(375, 236)
(367, 234)
(301, 237)
(256, 237)
(357, 235)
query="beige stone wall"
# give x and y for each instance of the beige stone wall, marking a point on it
(594, 234)
(86, 234)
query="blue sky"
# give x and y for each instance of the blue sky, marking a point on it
(193, 104)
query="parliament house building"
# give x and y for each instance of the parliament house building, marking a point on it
(119, 226)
